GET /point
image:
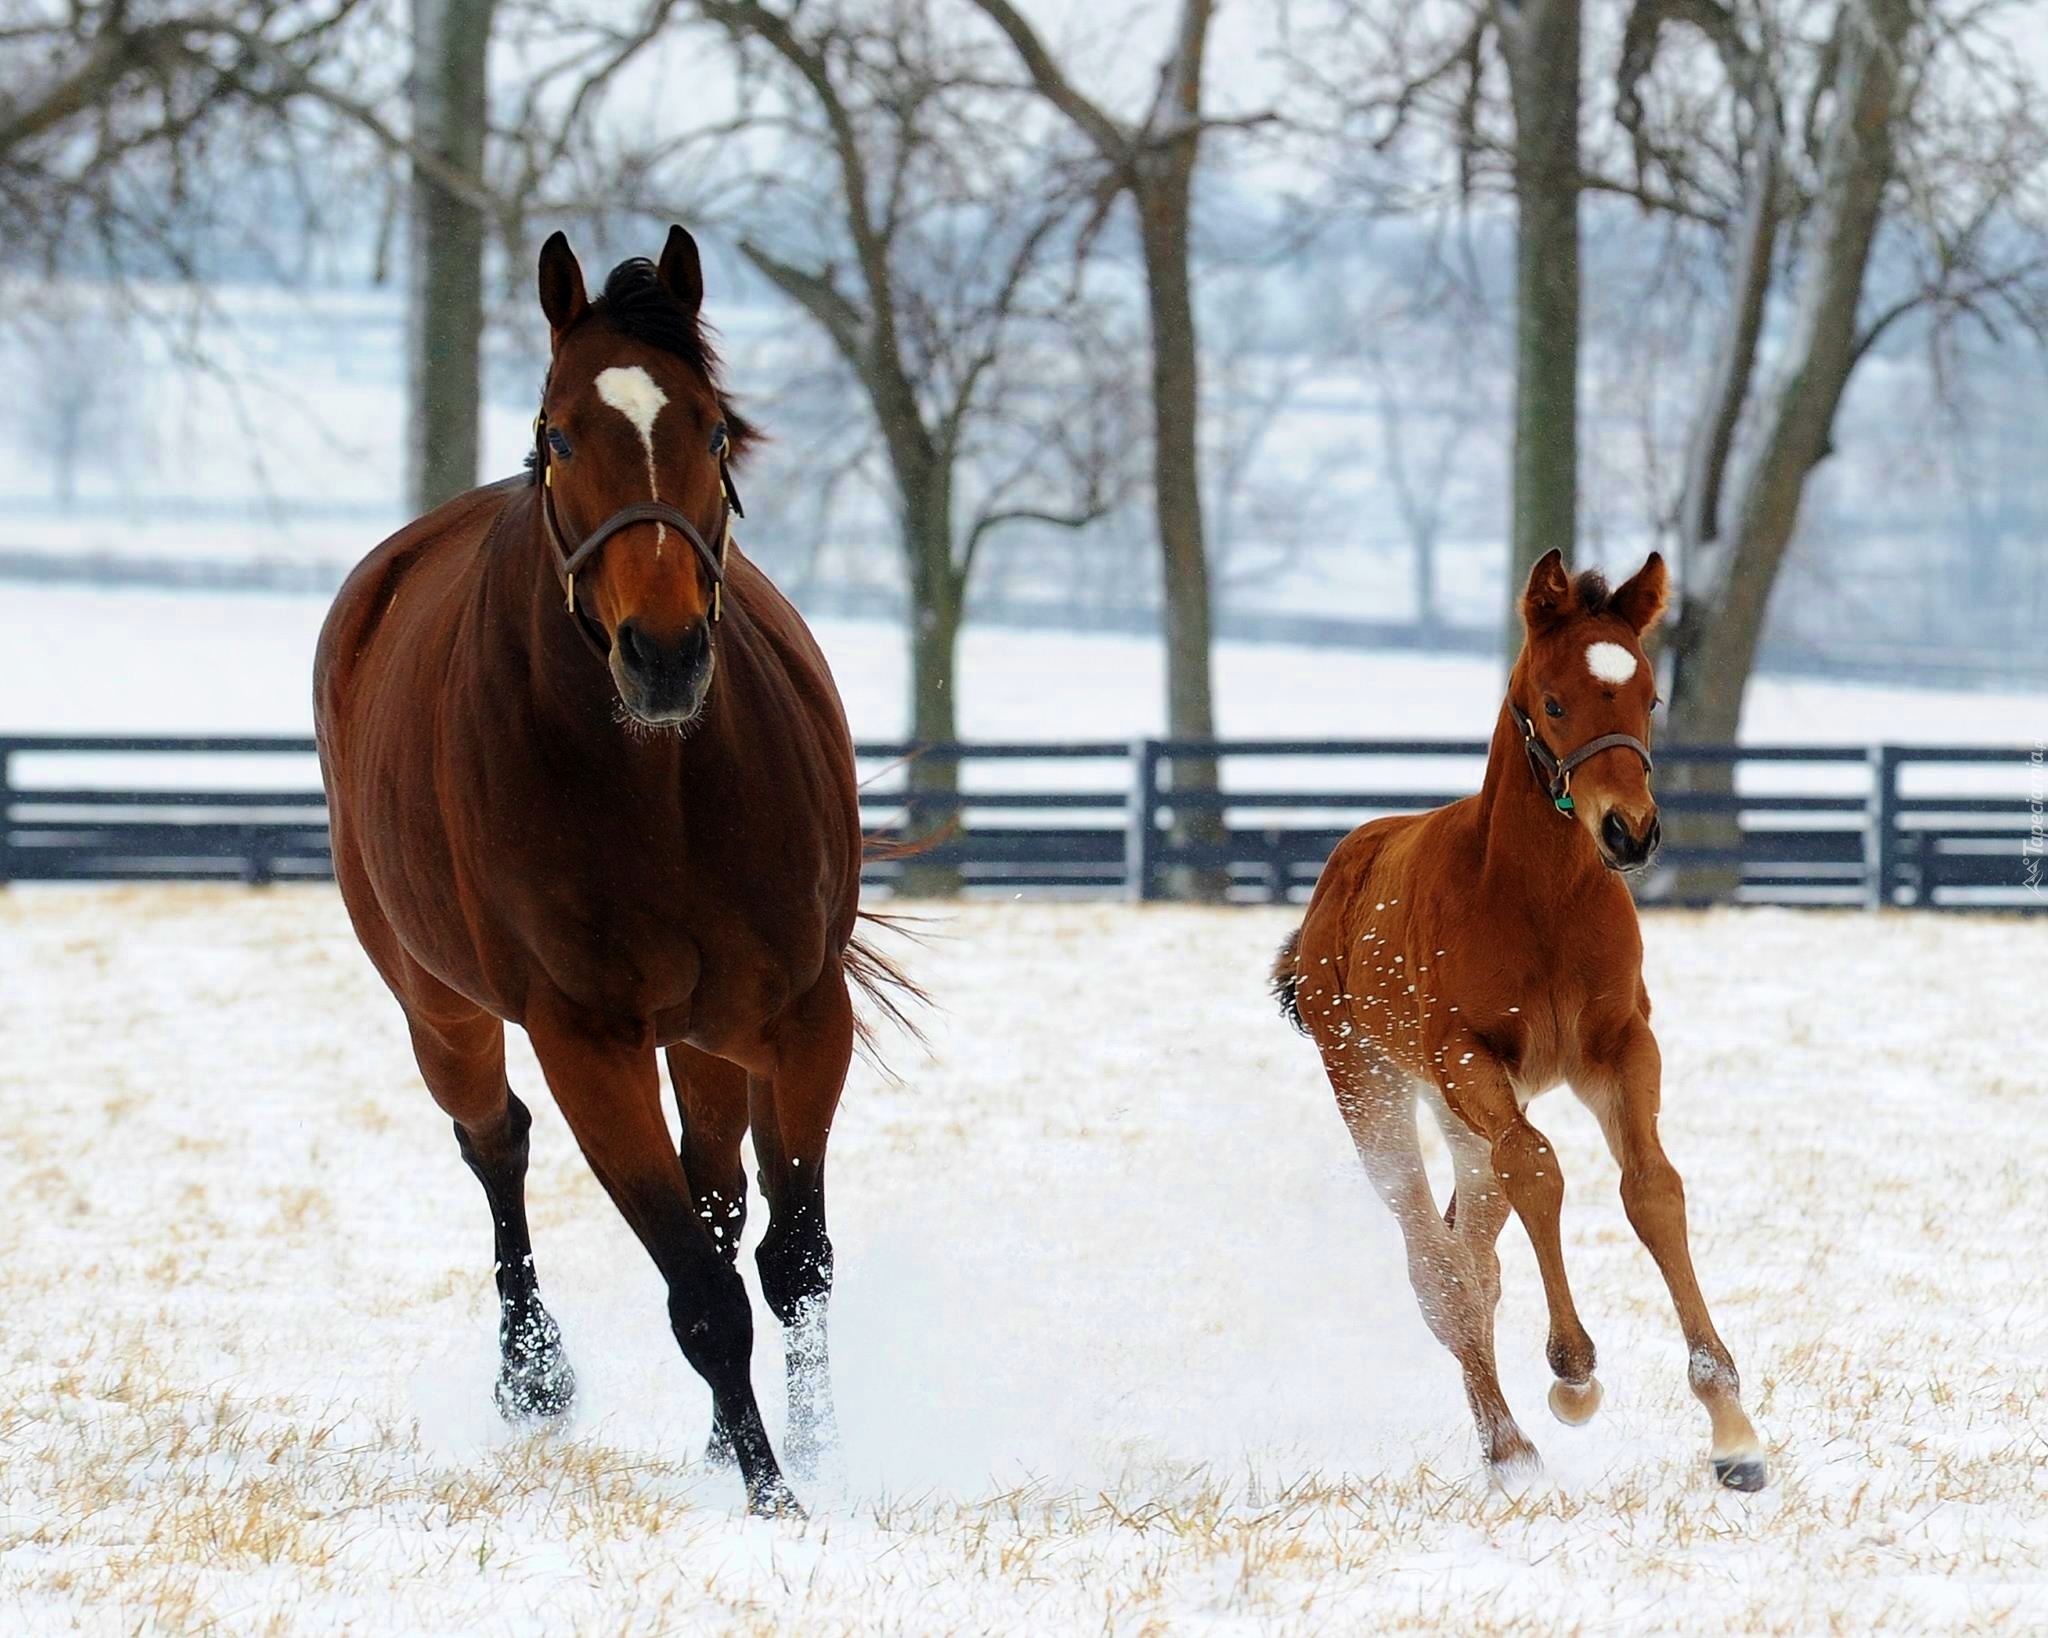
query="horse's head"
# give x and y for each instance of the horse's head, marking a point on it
(633, 417)
(1583, 679)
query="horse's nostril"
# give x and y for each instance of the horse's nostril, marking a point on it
(1616, 836)
(634, 648)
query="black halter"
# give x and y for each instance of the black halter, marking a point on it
(568, 559)
(1555, 774)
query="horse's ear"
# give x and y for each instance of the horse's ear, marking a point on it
(1549, 596)
(681, 272)
(1642, 598)
(561, 285)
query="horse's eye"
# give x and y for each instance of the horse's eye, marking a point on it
(718, 439)
(1552, 709)
(558, 444)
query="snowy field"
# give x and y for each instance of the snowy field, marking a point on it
(1123, 1341)
(81, 660)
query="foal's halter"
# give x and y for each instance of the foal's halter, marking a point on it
(1555, 773)
(569, 559)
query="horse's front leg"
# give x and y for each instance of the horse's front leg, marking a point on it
(461, 1054)
(711, 1099)
(792, 1122)
(1624, 1090)
(1479, 1092)
(610, 1092)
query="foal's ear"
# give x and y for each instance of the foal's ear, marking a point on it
(1549, 597)
(680, 271)
(561, 285)
(1641, 599)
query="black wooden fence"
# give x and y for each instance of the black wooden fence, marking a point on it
(1945, 827)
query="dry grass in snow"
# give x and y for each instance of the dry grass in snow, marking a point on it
(1124, 1343)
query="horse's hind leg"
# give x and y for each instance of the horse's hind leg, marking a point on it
(792, 1122)
(609, 1090)
(1447, 1269)
(1626, 1100)
(711, 1100)
(462, 1058)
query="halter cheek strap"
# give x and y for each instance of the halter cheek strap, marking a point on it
(1555, 773)
(569, 559)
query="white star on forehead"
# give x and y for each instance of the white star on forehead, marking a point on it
(631, 391)
(1610, 662)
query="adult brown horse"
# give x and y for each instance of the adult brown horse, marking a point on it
(588, 774)
(1481, 954)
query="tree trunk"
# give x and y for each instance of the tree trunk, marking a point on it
(445, 314)
(1540, 39)
(1715, 647)
(938, 603)
(1163, 200)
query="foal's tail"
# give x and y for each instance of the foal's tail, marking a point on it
(1286, 980)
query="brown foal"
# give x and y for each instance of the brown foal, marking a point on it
(1479, 955)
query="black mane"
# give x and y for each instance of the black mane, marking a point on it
(635, 303)
(1592, 589)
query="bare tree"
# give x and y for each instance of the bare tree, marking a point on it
(1889, 128)
(904, 211)
(1153, 159)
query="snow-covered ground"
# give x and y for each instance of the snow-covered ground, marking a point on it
(78, 660)
(1123, 1340)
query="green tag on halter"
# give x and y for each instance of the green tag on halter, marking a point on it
(1564, 803)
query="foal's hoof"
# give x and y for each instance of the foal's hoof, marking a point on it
(1574, 1403)
(1517, 1475)
(1740, 1472)
(773, 1499)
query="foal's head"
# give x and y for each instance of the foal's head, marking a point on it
(1583, 674)
(633, 412)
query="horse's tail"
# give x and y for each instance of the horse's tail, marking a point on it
(1286, 980)
(892, 992)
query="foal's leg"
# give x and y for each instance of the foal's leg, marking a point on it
(1377, 1100)
(1626, 1101)
(792, 1119)
(1527, 1169)
(711, 1098)
(462, 1058)
(610, 1093)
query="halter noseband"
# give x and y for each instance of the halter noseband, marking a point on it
(1555, 773)
(568, 560)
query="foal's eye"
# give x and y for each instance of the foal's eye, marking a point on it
(558, 444)
(1552, 709)
(718, 439)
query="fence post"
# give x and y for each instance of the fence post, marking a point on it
(6, 813)
(1881, 845)
(1141, 834)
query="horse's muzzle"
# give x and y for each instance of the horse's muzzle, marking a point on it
(1627, 849)
(662, 683)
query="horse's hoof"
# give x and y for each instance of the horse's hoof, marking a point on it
(718, 1450)
(774, 1500)
(534, 1381)
(1574, 1403)
(536, 1390)
(1740, 1472)
(1515, 1476)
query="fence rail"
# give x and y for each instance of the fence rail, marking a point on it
(1928, 826)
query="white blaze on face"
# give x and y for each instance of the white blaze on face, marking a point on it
(631, 391)
(1610, 662)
